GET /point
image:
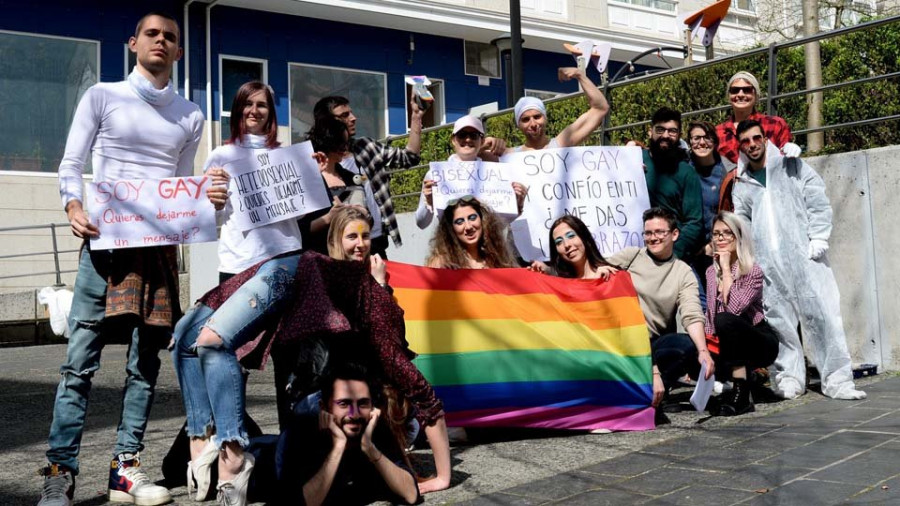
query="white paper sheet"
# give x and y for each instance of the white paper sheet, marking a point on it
(703, 389)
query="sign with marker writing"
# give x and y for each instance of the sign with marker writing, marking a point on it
(602, 186)
(272, 185)
(489, 182)
(137, 213)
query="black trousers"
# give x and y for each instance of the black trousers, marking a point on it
(743, 344)
(674, 355)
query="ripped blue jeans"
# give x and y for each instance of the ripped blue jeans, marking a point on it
(212, 385)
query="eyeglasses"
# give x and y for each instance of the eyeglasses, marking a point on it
(748, 90)
(697, 139)
(726, 235)
(756, 139)
(659, 130)
(464, 135)
(464, 198)
(658, 234)
(460, 221)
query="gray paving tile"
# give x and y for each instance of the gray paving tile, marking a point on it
(780, 440)
(755, 477)
(892, 403)
(663, 480)
(604, 497)
(883, 494)
(559, 486)
(806, 493)
(827, 450)
(699, 494)
(726, 459)
(501, 499)
(857, 414)
(821, 426)
(890, 385)
(889, 423)
(629, 465)
(869, 468)
(688, 446)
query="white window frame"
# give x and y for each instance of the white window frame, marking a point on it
(499, 62)
(226, 112)
(538, 11)
(99, 62)
(443, 117)
(385, 117)
(174, 76)
(627, 3)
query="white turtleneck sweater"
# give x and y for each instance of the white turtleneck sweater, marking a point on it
(129, 138)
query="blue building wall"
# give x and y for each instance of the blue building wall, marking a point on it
(282, 39)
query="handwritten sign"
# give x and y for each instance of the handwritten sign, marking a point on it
(602, 186)
(488, 181)
(136, 213)
(268, 186)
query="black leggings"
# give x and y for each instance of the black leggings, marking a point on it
(743, 344)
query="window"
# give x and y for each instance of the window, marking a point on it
(543, 95)
(745, 5)
(131, 61)
(366, 91)
(43, 78)
(434, 116)
(234, 71)
(555, 8)
(661, 5)
(482, 59)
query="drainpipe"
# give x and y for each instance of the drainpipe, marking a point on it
(187, 50)
(209, 100)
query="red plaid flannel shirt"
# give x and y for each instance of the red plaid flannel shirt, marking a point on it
(744, 298)
(774, 127)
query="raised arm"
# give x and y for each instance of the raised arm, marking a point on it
(316, 489)
(582, 127)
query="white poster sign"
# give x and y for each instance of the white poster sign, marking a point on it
(603, 186)
(489, 182)
(268, 186)
(135, 213)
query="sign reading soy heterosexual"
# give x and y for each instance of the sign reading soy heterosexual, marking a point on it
(268, 186)
(489, 182)
(136, 213)
(603, 186)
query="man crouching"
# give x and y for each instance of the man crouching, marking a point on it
(352, 458)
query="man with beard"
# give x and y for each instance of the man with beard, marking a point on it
(784, 200)
(344, 456)
(531, 117)
(672, 183)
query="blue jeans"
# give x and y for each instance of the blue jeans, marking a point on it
(212, 384)
(89, 327)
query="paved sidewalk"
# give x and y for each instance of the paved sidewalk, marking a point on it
(807, 451)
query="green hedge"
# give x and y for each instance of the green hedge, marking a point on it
(853, 56)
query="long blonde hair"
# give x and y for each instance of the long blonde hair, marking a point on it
(743, 242)
(339, 222)
(448, 253)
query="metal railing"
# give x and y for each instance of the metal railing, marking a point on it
(771, 100)
(55, 251)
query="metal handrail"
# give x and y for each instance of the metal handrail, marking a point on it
(55, 252)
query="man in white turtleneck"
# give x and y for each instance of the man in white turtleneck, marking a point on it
(135, 129)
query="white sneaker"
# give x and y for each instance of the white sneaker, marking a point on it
(59, 486)
(129, 483)
(199, 471)
(234, 492)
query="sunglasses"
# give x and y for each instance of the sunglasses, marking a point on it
(748, 90)
(468, 135)
(464, 198)
(756, 139)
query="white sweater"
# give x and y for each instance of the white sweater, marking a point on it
(128, 138)
(239, 250)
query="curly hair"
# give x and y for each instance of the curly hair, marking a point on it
(591, 252)
(448, 253)
(339, 222)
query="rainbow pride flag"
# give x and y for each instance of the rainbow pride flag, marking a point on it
(513, 348)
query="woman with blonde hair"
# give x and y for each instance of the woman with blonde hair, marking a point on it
(738, 334)
(470, 236)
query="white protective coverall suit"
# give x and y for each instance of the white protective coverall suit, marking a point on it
(787, 214)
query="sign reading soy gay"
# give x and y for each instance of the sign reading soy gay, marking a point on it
(268, 186)
(135, 213)
(603, 186)
(489, 182)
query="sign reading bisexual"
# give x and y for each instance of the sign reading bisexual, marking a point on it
(272, 185)
(137, 213)
(602, 186)
(489, 182)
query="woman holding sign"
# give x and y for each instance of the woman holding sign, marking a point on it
(470, 236)
(467, 141)
(738, 334)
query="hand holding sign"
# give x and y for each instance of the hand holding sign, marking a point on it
(218, 191)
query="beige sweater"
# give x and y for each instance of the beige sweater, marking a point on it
(663, 288)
